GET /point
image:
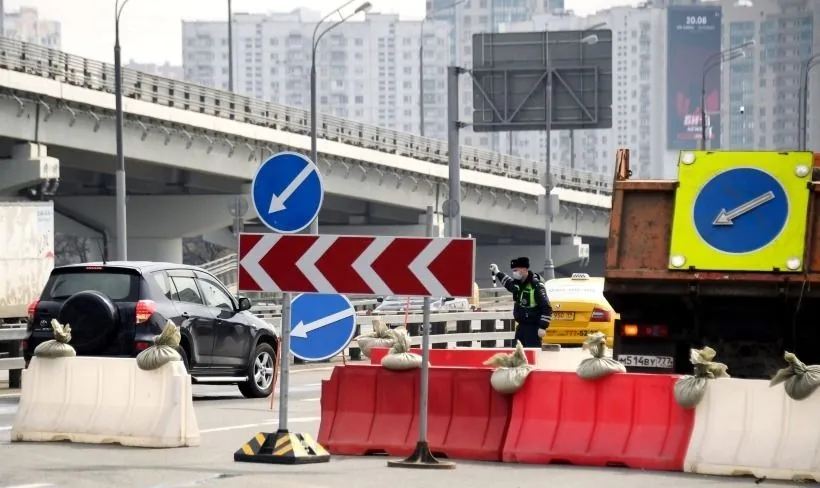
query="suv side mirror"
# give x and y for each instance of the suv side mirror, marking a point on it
(244, 304)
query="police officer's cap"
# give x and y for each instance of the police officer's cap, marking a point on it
(520, 263)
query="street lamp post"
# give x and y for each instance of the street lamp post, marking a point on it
(122, 227)
(803, 126)
(711, 62)
(230, 47)
(549, 264)
(421, 60)
(317, 36)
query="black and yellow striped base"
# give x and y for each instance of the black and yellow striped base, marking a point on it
(282, 447)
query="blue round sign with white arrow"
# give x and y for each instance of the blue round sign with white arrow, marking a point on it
(287, 192)
(321, 325)
(741, 210)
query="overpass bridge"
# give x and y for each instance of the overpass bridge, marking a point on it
(190, 150)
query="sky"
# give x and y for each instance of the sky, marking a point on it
(151, 30)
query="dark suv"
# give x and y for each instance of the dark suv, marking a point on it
(116, 308)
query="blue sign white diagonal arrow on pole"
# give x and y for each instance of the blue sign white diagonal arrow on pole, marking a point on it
(321, 325)
(287, 192)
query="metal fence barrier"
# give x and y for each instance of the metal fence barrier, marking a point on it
(11, 351)
(462, 329)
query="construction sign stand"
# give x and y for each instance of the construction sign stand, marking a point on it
(282, 447)
(278, 210)
(422, 457)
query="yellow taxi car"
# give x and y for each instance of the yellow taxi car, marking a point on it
(579, 308)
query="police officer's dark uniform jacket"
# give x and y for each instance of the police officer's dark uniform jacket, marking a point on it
(532, 308)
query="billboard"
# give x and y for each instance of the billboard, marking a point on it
(693, 35)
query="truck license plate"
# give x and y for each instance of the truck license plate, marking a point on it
(641, 361)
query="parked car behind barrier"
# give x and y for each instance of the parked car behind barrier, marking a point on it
(579, 308)
(116, 308)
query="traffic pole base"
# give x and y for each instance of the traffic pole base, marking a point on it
(422, 458)
(282, 447)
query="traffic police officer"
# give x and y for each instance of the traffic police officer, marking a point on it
(532, 310)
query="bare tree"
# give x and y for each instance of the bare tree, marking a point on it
(69, 249)
(196, 250)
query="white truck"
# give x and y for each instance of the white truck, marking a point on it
(26, 260)
(26, 256)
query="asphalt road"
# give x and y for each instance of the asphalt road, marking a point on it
(227, 420)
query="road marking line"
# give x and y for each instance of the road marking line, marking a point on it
(33, 485)
(5, 427)
(247, 426)
(311, 399)
(9, 395)
(308, 370)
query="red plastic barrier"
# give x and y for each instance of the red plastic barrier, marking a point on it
(472, 357)
(622, 420)
(375, 410)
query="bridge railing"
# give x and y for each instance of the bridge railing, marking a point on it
(76, 70)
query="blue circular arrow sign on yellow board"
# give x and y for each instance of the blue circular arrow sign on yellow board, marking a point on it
(741, 210)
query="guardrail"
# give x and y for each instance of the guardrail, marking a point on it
(462, 329)
(11, 353)
(76, 70)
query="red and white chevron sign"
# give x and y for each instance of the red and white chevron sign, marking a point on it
(360, 265)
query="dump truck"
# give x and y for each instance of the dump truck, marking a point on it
(727, 256)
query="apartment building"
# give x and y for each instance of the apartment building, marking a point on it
(760, 91)
(166, 70)
(26, 25)
(367, 70)
(639, 74)
(470, 17)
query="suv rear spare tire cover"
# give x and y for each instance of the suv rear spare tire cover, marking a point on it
(93, 319)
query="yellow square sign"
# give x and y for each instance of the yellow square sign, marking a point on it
(740, 211)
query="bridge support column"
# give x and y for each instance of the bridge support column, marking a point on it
(156, 224)
(148, 249)
(29, 165)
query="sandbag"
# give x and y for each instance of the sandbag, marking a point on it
(57, 347)
(379, 337)
(511, 370)
(598, 365)
(799, 380)
(399, 358)
(163, 351)
(689, 389)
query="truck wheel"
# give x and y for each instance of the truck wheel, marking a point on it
(260, 373)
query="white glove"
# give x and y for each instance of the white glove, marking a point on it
(542, 333)
(494, 269)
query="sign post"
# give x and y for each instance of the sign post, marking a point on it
(422, 457)
(287, 193)
(318, 324)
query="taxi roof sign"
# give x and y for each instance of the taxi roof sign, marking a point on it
(740, 211)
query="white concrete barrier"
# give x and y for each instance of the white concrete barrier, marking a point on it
(106, 401)
(567, 359)
(744, 427)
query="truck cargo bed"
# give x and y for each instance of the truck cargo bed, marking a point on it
(749, 317)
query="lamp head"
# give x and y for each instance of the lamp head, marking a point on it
(365, 7)
(590, 39)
